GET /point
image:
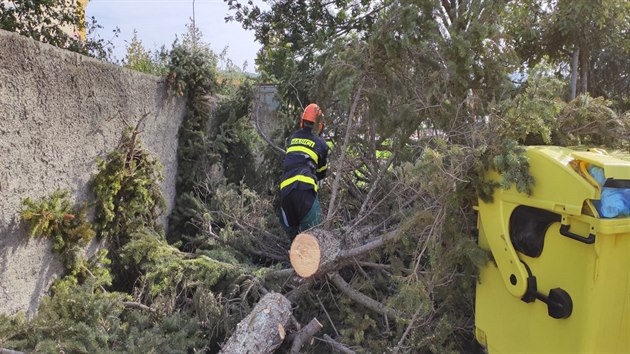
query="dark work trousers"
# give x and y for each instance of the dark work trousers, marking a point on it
(300, 211)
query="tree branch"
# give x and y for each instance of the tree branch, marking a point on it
(344, 147)
(362, 299)
(287, 272)
(138, 306)
(370, 246)
(262, 251)
(358, 221)
(379, 177)
(407, 331)
(383, 267)
(295, 294)
(337, 346)
(306, 333)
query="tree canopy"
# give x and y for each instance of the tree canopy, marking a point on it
(61, 23)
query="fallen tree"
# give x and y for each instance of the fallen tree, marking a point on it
(315, 253)
(393, 269)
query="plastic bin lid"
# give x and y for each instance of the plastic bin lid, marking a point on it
(614, 167)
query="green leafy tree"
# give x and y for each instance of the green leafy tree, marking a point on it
(139, 59)
(293, 32)
(395, 89)
(420, 98)
(49, 21)
(587, 40)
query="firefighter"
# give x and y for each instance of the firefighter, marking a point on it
(304, 165)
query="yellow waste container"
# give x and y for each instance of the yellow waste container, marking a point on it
(559, 277)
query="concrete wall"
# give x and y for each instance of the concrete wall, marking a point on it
(266, 106)
(58, 112)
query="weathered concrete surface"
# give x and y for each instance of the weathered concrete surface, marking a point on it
(266, 108)
(58, 112)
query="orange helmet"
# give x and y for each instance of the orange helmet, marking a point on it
(310, 114)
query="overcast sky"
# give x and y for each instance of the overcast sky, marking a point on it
(158, 21)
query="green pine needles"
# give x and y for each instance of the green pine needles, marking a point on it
(165, 303)
(127, 188)
(53, 217)
(192, 71)
(140, 294)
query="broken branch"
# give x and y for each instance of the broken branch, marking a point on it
(306, 333)
(362, 299)
(344, 147)
(337, 346)
(138, 306)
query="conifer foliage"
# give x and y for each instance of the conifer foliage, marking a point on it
(192, 70)
(141, 294)
(54, 218)
(121, 299)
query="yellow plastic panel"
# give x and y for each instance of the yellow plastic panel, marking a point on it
(596, 276)
(494, 220)
(558, 188)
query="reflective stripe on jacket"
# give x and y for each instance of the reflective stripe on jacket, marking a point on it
(305, 162)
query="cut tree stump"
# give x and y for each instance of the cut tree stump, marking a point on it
(317, 252)
(263, 330)
(313, 250)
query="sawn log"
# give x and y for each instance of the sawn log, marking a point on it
(313, 249)
(263, 330)
(318, 251)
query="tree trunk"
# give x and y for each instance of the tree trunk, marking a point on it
(574, 73)
(312, 250)
(263, 330)
(338, 346)
(319, 252)
(584, 65)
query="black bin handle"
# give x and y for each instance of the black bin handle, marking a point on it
(564, 231)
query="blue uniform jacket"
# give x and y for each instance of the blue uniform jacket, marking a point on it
(305, 162)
